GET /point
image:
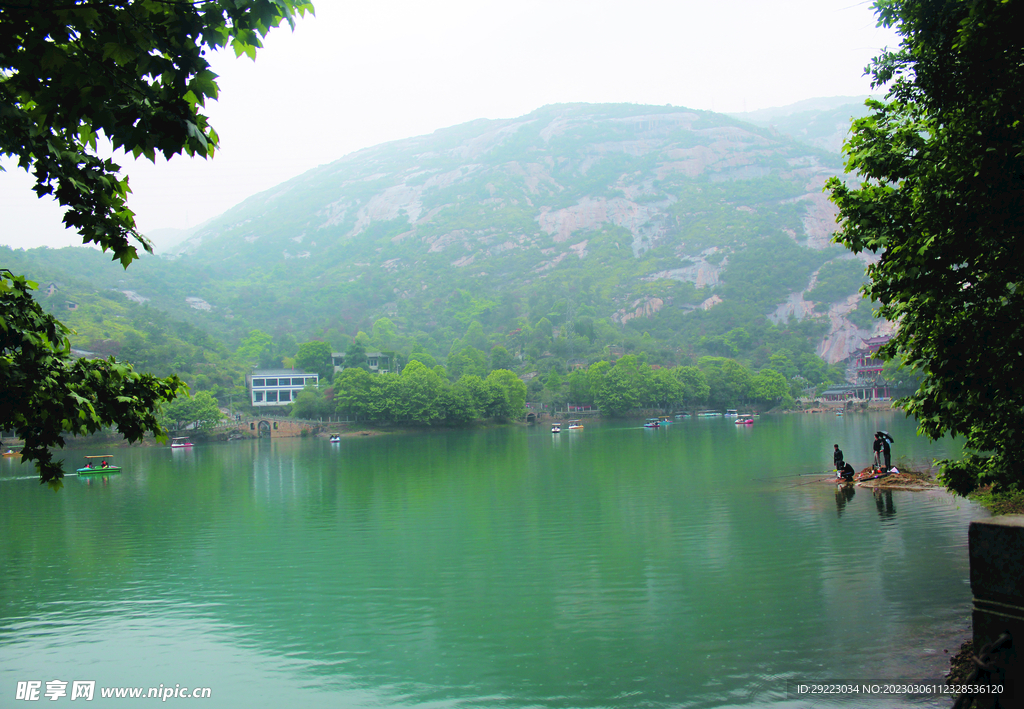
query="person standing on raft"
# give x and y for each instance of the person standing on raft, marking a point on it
(877, 448)
(886, 451)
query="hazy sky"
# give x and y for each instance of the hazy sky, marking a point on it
(363, 73)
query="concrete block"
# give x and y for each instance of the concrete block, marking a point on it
(997, 582)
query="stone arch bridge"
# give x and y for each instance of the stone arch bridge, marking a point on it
(273, 427)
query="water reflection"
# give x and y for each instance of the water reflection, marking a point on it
(884, 502)
(488, 568)
(844, 493)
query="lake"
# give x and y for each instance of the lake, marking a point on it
(697, 565)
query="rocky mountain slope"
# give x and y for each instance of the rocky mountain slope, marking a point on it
(821, 122)
(670, 221)
(558, 234)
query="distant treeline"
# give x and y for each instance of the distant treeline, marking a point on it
(425, 396)
(418, 396)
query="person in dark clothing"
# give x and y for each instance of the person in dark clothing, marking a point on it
(886, 451)
(877, 448)
(837, 458)
(847, 473)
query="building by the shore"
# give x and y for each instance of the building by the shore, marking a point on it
(277, 387)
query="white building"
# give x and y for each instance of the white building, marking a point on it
(277, 387)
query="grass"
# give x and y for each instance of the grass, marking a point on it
(1000, 503)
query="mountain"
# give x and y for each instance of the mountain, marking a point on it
(167, 240)
(821, 122)
(660, 229)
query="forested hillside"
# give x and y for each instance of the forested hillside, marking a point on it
(570, 235)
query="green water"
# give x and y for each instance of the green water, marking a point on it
(615, 566)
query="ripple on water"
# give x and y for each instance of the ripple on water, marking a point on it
(483, 569)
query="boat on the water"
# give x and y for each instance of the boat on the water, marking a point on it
(556, 428)
(747, 422)
(335, 438)
(98, 465)
(652, 423)
(575, 423)
(181, 443)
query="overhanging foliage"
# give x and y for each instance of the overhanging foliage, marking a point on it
(942, 159)
(46, 393)
(134, 73)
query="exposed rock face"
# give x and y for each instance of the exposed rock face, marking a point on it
(819, 220)
(198, 304)
(642, 308)
(420, 180)
(590, 214)
(701, 273)
(666, 190)
(710, 302)
(793, 307)
(844, 338)
(396, 200)
(132, 296)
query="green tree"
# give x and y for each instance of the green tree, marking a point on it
(424, 357)
(355, 355)
(315, 356)
(311, 403)
(718, 345)
(513, 389)
(498, 407)
(382, 401)
(695, 385)
(729, 380)
(738, 338)
(665, 389)
(475, 337)
(135, 73)
(542, 333)
(553, 381)
(256, 347)
(940, 165)
(457, 404)
(44, 392)
(813, 368)
(468, 360)
(769, 386)
(625, 387)
(579, 388)
(478, 391)
(417, 395)
(200, 411)
(500, 358)
(352, 392)
(897, 372)
(596, 374)
(782, 362)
